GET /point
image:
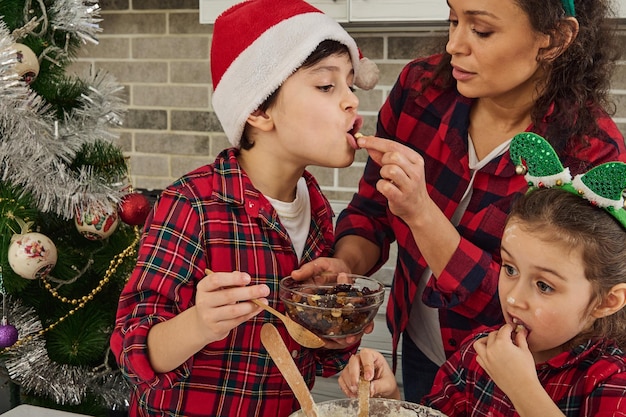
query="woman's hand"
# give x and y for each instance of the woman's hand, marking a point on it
(374, 368)
(402, 170)
(318, 266)
(404, 186)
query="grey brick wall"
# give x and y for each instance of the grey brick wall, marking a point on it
(159, 52)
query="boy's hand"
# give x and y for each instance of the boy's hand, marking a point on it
(220, 302)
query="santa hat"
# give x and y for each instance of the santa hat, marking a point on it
(258, 44)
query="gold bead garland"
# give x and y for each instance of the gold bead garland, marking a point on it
(80, 302)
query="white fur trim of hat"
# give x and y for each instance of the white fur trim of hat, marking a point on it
(282, 34)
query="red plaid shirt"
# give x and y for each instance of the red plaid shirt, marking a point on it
(589, 381)
(214, 218)
(435, 124)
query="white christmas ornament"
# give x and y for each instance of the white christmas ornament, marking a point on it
(97, 221)
(27, 66)
(32, 255)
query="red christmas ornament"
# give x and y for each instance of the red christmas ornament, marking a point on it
(134, 209)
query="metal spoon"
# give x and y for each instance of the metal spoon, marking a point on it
(300, 334)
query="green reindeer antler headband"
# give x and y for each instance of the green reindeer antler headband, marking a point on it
(603, 185)
(568, 5)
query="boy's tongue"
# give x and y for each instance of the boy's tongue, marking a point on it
(354, 134)
(352, 141)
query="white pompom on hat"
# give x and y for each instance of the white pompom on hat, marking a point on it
(258, 44)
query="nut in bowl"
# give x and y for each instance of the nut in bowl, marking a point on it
(332, 305)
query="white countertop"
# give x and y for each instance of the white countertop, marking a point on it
(26, 410)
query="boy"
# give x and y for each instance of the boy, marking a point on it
(283, 76)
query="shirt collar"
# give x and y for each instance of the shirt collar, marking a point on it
(581, 353)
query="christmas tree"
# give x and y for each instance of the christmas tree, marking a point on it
(68, 216)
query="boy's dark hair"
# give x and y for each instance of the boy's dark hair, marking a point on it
(565, 218)
(578, 78)
(324, 49)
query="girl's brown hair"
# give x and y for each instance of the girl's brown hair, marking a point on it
(562, 217)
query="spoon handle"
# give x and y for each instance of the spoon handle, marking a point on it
(270, 309)
(364, 398)
(277, 349)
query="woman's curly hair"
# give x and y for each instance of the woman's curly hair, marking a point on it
(578, 78)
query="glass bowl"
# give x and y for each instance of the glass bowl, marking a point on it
(332, 305)
(379, 407)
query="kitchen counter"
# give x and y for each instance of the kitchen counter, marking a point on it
(26, 410)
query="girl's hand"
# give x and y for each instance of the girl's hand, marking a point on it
(506, 358)
(374, 368)
(402, 170)
(220, 302)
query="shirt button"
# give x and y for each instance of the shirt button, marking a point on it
(452, 342)
(294, 354)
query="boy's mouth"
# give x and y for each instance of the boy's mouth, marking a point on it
(353, 133)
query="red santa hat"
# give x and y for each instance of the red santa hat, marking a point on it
(258, 44)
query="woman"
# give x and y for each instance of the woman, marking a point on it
(443, 185)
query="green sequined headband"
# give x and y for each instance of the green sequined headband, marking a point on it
(568, 5)
(602, 185)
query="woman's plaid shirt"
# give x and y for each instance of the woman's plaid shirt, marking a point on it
(435, 124)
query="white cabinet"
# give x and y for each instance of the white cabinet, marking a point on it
(621, 8)
(337, 9)
(210, 9)
(354, 10)
(398, 10)
(368, 10)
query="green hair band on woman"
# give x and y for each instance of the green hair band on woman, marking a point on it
(568, 5)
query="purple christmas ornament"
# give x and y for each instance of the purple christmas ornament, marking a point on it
(8, 334)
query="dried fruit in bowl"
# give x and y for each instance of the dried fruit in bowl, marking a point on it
(332, 305)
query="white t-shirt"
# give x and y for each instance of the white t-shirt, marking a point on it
(423, 326)
(295, 216)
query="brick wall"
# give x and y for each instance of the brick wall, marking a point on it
(159, 52)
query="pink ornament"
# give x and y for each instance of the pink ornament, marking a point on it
(32, 255)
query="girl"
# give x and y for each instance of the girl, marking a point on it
(562, 288)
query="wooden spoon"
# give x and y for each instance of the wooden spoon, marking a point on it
(299, 333)
(364, 398)
(280, 354)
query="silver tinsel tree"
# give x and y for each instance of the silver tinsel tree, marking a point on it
(58, 159)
